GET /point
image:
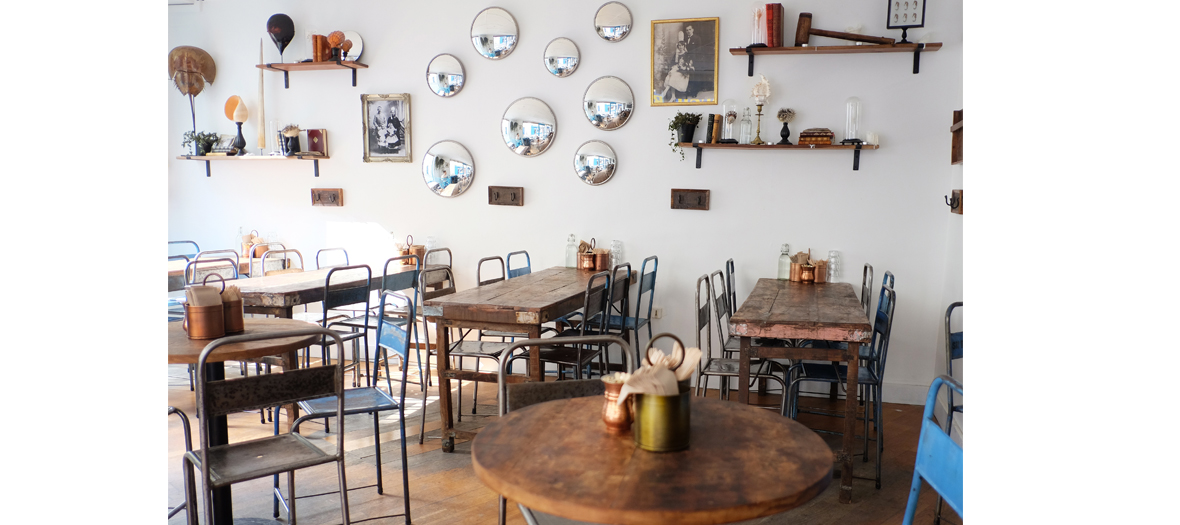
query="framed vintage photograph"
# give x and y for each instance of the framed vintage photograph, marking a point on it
(386, 120)
(684, 61)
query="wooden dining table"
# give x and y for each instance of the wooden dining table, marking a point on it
(520, 305)
(784, 310)
(182, 350)
(176, 269)
(742, 463)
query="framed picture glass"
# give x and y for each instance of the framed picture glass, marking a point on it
(904, 14)
(386, 121)
(684, 61)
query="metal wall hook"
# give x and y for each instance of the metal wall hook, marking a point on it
(953, 202)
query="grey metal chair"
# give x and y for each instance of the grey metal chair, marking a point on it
(954, 350)
(336, 296)
(866, 288)
(392, 334)
(562, 351)
(631, 324)
(188, 255)
(192, 268)
(330, 253)
(516, 395)
(871, 376)
(189, 489)
(273, 254)
(722, 367)
(223, 465)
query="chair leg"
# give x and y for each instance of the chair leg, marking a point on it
(190, 492)
(475, 387)
(343, 494)
(459, 404)
(503, 510)
(867, 403)
(401, 421)
(880, 431)
(291, 498)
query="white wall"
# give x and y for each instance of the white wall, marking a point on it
(890, 213)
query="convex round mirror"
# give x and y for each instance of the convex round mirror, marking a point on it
(447, 168)
(493, 33)
(608, 103)
(613, 21)
(595, 162)
(528, 127)
(445, 75)
(561, 57)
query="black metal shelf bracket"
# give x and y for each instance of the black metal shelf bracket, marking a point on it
(750, 70)
(697, 146)
(286, 80)
(856, 158)
(316, 163)
(917, 54)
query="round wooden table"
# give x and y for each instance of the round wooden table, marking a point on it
(742, 463)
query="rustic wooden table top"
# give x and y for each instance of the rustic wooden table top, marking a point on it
(176, 267)
(742, 463)
(181, 349)
(534, 298)
(785, 310)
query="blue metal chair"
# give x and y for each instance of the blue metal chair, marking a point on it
(560, 351)
(871, 375)
(392, 335)
(333, 255)
(523, 270)
(186, 256)
(939, 459)
(866, 287)
(630, 324)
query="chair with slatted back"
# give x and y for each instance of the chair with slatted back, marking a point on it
(954, 350)
(517, 395)
(392, 335)
(523, 270)
(866, 288)
(223, 465)
(559, 349)
(630, 324)
(939, 460)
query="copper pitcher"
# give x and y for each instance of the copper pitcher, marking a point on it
(617, 417)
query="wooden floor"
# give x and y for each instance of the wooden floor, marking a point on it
(444, 489)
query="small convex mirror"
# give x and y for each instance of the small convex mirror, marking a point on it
(608, 103)
(595, 162)
(612, 22)
(561, 57)
(493, 33)
(447, 168)
(528, 127)
(445, 75)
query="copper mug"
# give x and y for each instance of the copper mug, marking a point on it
(616, 417)
(586, 261)
(796, 272)
(807, 274)
(204, 322)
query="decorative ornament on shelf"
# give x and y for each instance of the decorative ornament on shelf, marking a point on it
(335, 40)
(786, 115)
(682, 127)
(758, 35)
(747, 128)
(190, 68)
(760, 94)
(852, 121)
(905, 14)
(202, 142)
(729, 119)
(261, 105)
(291, 139)
(281, 29)
(236, 111)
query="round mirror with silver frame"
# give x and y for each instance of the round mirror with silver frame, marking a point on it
(528, 126)
(447, 168)
(613, 21)
(561, 57)
(595, 162)
(494, 33)
(445, 75)
(608, 103)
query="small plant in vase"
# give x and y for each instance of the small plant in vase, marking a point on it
(202, 142)
(786, 115)
(683, 124)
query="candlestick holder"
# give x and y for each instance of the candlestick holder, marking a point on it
(758, 135)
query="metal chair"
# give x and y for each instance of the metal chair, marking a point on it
(954, 350)
(631, 324)
(561, 351)
(435, 254)
(866, 288)
(480, 281)
(523, 270)
(722, 367)
(186, 256)
(871, 375)
(391, 335)
(939, 459)
(332, 252)
(284, 267)
(223, 465)
(191, 269)
(189, 489)
(337, 296)
(518, 395)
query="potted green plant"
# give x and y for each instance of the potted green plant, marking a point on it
(683, 124)
(202, 142)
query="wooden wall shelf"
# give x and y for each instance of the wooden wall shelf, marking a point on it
(855, 148)
(916, 49)
(315, 159)
(312, 66)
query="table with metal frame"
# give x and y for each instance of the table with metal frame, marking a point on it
(182, 350)
(779, 309)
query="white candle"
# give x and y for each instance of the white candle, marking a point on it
(261, 104)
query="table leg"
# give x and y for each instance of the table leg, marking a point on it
(291, 362)
(743, 372)
(223, 512)
(850, 410)
(444, 386)
(536, 371)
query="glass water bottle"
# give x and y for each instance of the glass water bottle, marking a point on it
(852, 120)
(784, 263)
(747, 130)
(833, 265)
(616, 254)
(571, 252)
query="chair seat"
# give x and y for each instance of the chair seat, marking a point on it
(729, 367)
(575, 332)
(566, 355)
(618, 322)
(356, 401)
(833, 374)
(257, 458)
(344, 336)
(477, 349)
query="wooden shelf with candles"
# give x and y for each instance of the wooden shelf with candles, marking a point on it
(700, 146)
(916, 49)
(286, 68)
(314, 158)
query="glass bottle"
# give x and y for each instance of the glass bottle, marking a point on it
(430, 243)
(571, 252)
(616, 253)
(852, 120)
(833, 265)
(758, 32)
(784, 263)
(747, 129)
(729, 119)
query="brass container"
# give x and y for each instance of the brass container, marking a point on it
(235, 319)
(796, 272)
(617, 417)
(662, 422)
(821, 272)
(601, 262)
(808, 274)
(586, 261)
(204, 322)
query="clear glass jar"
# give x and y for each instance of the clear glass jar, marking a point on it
(571, 252)
(430, 243)
(729, 119)
(833, 265)
(747, 128)
(616, 254)
(784, 263)
(852, 119)
(758, 32)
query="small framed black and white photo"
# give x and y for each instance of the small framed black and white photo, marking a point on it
(684, 61)
(904, 14)
(386, 121)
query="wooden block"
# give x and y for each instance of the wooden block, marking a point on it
(957, 196)
(505, 195)
(957, 138)
(327, 197)
(690, 199)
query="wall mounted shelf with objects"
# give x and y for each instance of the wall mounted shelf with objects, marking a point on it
(699, 146)
(916, 49)
(312, 66)
(314, 159)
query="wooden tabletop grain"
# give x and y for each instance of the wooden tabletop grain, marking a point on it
(534, 298)
(181, 349)
(742, 463)
(785, 310)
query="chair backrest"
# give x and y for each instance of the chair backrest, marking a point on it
(882, 328)
(620, 289)
(704, 318)
(188, 255)
(331, 258)
(390, 332)
(647, 286)
(519, 395)
(275, 254)
(190, 269)
(866, 287)
(341, 295)
(594, 309)
(480, 281)
(436, 254)
(403, 280)
(939, 459)
(731, 284)
(954, 340)
(523, 270)
(888, 279)
(218, 254)
(721, 306)
(439, 276)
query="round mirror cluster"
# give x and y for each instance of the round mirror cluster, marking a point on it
(494, 33)
(608, 103)
(561, 57)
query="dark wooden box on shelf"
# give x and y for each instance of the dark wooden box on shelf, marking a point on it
(855, 147)
(314, 158)
(286, 68)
